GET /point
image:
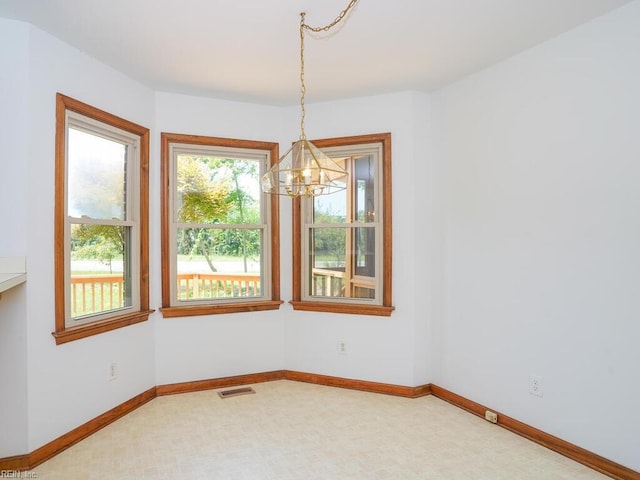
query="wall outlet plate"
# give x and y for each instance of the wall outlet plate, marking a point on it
(490, 416)
(535, 385)
(112, 373)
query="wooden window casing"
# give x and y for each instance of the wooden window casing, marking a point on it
(384, 252)
(64, 331)
(172, 308)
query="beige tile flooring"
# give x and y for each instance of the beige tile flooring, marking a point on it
(290, 430)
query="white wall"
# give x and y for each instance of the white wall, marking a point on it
(426, 250)
(541, 164)
(13, 325)
(67, 384)
(381, 349)
(213, 346)
(384, 349)
(13, 138)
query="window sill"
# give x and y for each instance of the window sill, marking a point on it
(192, 310)
(350, 308)
(87, 330)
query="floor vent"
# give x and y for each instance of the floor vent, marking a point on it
(235, 392)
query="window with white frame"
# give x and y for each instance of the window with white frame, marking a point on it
(220, 243)
(101, 221)
(342, 259)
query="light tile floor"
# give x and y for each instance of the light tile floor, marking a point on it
(290, 431)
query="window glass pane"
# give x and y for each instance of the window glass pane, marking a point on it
(218, 263)
(361, 290)
(328, 261)
(364, 202)
(213, 189)
(330, 208)
(245, 194)
(365, 252)
(100, 269)
(96, 176)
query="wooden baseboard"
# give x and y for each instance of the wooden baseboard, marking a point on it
(596, 462)
(373, 387)
(60, 444)
(223, 382)
(578, 454)
(17, 463)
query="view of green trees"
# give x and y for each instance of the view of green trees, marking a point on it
(96, 192)
(329, 244)
(104, 243)
(213, 195)
(218, 191)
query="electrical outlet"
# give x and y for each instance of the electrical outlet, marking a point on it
(113, 371)
(342, 347)
(535, 385)
(490, 416)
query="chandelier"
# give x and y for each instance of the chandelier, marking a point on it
(305, 170)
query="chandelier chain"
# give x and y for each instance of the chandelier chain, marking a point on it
(338, 19)
(303, 87)
(326, 28)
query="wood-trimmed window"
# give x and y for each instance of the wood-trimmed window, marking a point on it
(101, 221)
(342, 241)
(220, 233)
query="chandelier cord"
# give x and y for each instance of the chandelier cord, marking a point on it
(326, 28)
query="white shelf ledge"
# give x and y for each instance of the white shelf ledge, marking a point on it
(13, 272)
(10, 280)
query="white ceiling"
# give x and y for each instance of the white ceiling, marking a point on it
(248, 49)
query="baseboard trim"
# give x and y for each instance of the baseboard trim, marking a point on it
(223, 382)
(373, 387)
(44, 453)
(16, 463)
(578, 454)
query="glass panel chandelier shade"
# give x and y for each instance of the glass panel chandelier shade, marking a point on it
(305, 170)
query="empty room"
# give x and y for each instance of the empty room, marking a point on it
(295, 239)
